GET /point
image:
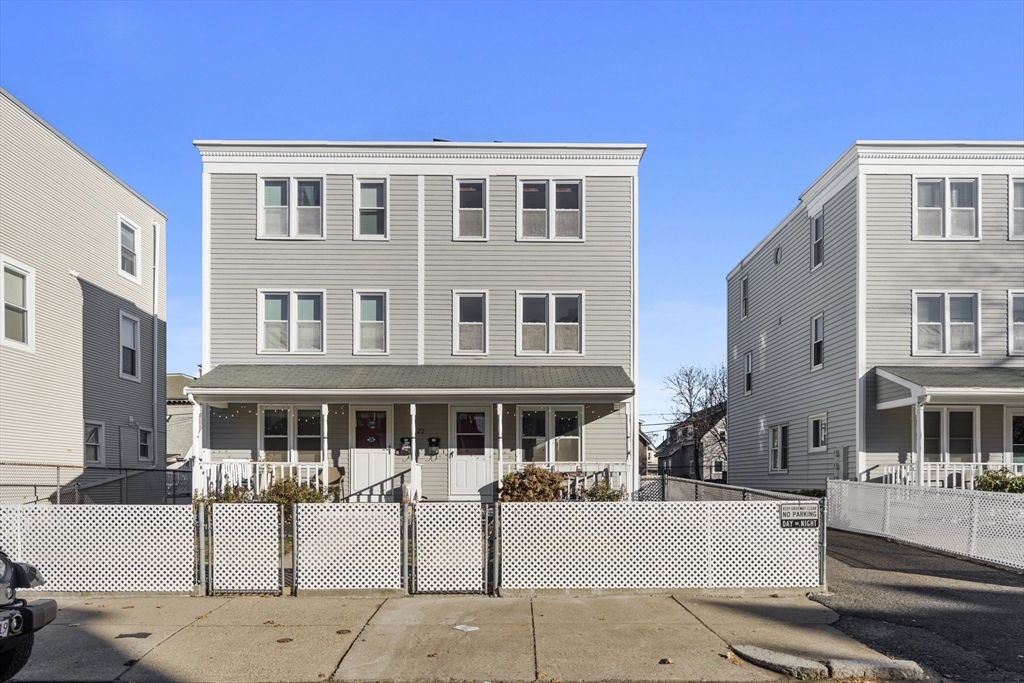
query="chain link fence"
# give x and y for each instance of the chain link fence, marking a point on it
(45, 484)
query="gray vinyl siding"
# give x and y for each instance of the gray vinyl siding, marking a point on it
(234, 432)
(887, 390)
(895, 265)
(60, 214)
(783, 299)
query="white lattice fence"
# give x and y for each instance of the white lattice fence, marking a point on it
(748, 548)
(246, 548)
(349, 546)
(104, 547)
(449, 548)
(979, 524)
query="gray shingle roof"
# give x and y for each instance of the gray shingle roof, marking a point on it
(433, 377)
(960, 378)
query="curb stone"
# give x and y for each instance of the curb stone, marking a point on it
(889, 669)
(789, 665)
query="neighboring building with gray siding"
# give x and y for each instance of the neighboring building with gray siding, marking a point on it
(491, 286)
(902, 257)
(82, 339)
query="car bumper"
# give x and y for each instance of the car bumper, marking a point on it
(34, 615)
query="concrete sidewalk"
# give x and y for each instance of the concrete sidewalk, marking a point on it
(263, 639)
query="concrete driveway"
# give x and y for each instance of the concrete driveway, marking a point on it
(564, 638)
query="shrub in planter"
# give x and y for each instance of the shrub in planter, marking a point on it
(602, 492)
(1003, 480)
(532, 485)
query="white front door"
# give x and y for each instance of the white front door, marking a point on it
(470, 474)
(371, 463)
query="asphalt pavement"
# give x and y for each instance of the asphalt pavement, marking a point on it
(959, 619)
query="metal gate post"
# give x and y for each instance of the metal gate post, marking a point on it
(823, 542)
(280, 544)
(497, 548)
(973, 548)
(483, 545)
(405, 547)
(885, 512)
(664, 487)
(202, 548)
(295, 551)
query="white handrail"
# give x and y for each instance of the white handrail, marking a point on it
(953, 475)
(256, 476)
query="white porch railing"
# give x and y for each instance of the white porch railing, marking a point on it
(947, 475)
(577, 473)
(255, 476)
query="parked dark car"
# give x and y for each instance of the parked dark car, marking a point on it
(19, 620)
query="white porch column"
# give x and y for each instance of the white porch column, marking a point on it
(919, 441)
(324, 448)
(198, 473)
(412, 421)
(501, 442)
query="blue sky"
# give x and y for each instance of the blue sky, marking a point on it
(741, 105)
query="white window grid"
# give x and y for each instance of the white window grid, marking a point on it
(817, 341)
(292, 207)
(293, 321)
(778, 448)
(550, 440)
(946, 208)
(945, 322)
(818, 240)
(357, 321)
(457, 294)
(1015, 211)
(457, 211)
(1014, 329)
(944, 412)
(817, 425)
(101, 444)
(29, 273)
(551, 324)
(357, 205)
(146, 443)
(135, 277)
(137, 376)
(293, 428)
(551, 184)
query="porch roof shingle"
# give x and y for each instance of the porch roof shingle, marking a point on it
(413, 377)
(959, 377)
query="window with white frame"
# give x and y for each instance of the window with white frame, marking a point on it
(94, 442)
(778, 448)
(470, 217)
(470, 322)
(274, 433)
(129, 326)
(1015, 316)
(538, 221)
(818, 240)
(748, 372)
(372, 216)
(292, 208)
(818, 341)
(744, 298)
(145, 444)
(128, 251)
(17, 290)
(550, 433)
(946, 208)
(291, 322)
(946, 323)
(309, 432)
(293, 433)
(951, 434)
(550, 323)
(817, 430)
(1017, 210)
(371, 322)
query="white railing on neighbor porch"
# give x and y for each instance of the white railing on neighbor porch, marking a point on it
(577, 473)
(945, 475)
(255, 476)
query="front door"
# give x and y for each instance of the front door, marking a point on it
(470, 476)
(372, 465)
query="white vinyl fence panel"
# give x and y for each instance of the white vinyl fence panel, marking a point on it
(642, 545)
(348, 547)
(979, 524)
(449, 548)
(104, 548)
(246, 548)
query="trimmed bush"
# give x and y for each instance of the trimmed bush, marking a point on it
(1002, 481)
(602, 492)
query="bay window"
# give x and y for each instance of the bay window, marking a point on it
(550, 434)
(946, 323)
(291, 322)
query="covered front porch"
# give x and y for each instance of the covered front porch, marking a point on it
(434, 433)
(963, 422)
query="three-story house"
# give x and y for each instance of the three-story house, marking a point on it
(466, 308)
(877, 333)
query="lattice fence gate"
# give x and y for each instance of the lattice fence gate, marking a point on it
(246, 545)
(450, 548)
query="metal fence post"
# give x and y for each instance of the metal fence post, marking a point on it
(664, 486)
(280, 539)
(405, 546)
(885, 512)
(202, 548)
(974, 525)
(58, 484)
(295, 551)
(822, 553)
(497, 548)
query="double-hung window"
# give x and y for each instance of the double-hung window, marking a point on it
(550, 433)
(817, 430)
(818, 240)
(129, 238)
(94, 443)
(744, 298)
(17, 290)
(778, 448)
(748, 372)
(946, 323)
(550, 323)
(291, 433)
(1017, 209)
(291, 322)
(540, 221)
(817, 341)
(372, 214)
(946, 208)
(292, 208)
(371, 324)
(470, 333)
(1015, 318)
(129, 326)
(145, 444)
(470, 215)
(950, 434)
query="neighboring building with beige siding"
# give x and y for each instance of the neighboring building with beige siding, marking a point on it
(470, 307)
(82, 342)
(878, 332)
